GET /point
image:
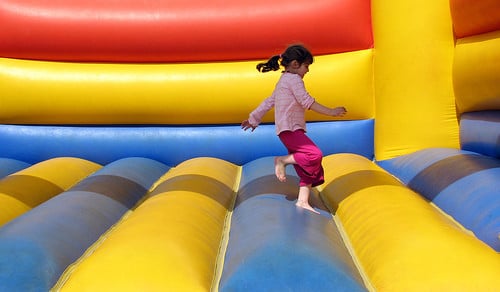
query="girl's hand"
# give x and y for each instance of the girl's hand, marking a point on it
(339, 111)
(245, 125)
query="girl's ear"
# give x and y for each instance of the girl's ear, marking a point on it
(295, 64)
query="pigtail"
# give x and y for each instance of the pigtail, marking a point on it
(296, 52)
(271, 65)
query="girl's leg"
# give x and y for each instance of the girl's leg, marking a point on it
(303, 200)
(305, 156)
(280, 163)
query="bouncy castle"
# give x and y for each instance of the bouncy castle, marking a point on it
(124, 167)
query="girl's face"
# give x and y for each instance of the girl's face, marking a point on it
(303, 69)
(300, 69)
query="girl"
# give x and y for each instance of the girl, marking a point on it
(291, 100)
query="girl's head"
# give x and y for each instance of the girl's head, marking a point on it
(297, 53)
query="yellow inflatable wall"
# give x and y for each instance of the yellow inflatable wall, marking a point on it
(414, 99)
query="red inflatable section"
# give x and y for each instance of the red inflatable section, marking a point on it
(471, 17)
(179, 30)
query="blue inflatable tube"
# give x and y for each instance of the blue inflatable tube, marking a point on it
(272, 243)
(475, 202)
(172, 145)
(9, 166)
(480, 132)
(38, 246)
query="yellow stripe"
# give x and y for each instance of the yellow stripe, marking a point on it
(210, 93)
(404, 244)
(476, 72)
(352, 252)
(71, 268)
(415, 105)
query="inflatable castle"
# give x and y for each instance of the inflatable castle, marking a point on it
(123, 166)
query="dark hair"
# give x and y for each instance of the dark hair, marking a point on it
(293, 52)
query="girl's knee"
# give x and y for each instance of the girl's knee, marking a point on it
(315, 156)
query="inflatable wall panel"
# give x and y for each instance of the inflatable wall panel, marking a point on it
(476, 72)
(413, 96)
(177, 30)
(172, 145)
(213, 93)
(472, 17)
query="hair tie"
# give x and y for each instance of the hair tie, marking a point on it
(281, 57)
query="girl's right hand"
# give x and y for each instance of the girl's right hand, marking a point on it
(245, 125)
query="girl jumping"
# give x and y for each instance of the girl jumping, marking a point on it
(290, 100)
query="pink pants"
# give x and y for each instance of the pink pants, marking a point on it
(307, 155)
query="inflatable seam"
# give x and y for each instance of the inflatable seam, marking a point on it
(90, 250)
(352, 252)
(219, 263)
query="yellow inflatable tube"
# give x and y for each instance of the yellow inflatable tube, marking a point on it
(476, 72)
(171, 242)
(415, 106)
(35, 92)
(386, 223)
(26, 189)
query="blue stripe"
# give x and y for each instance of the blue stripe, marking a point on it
(436, 177)
(36, 247)
(474, 201)
(172, 145)
(9, 166)
(406, 167)
(272, 243)
(480, 132)
(140, 170)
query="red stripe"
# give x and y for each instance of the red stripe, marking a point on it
(179, 30)
(472, 17)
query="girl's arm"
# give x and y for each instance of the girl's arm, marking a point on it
(307, 101)
(335, 112)
(256, 116)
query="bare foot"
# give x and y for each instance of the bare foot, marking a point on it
(279, 169)
(305, 205)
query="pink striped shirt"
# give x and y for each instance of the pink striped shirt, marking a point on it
(290, 101)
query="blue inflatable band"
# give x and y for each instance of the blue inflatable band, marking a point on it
(480, 132)
(9, 166)
(173, 144)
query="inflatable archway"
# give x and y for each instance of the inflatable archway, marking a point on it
(123, 166)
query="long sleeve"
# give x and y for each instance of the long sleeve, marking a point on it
(256, 116)
(292, 100)
(299, 92)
